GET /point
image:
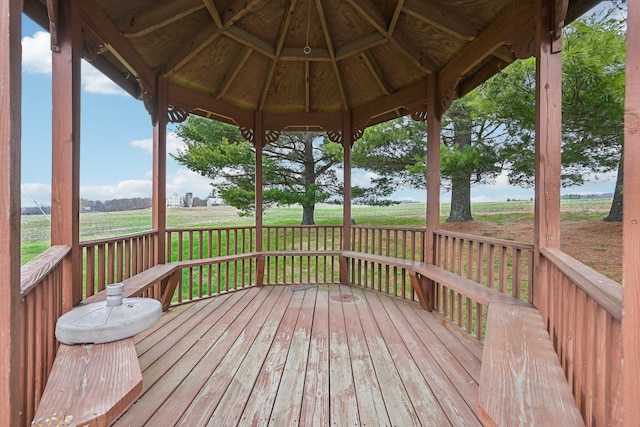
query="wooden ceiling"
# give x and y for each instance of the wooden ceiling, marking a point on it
(303, 61)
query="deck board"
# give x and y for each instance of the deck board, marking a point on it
(322, 355)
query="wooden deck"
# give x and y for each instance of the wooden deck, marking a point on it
(316, 355)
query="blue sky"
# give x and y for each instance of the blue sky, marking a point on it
(116, 136)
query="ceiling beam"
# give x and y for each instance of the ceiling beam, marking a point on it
(438, 15)
(238, 62)
(372, 14)
(409, 96)
(317, 54)
(376, 72)
(246, 38)
(282, 35)
(334, 63)
(213, 11)
(395, 17)
(184, 54)
(498, 33)
(367, 42)
(160, 15)
(98, 22)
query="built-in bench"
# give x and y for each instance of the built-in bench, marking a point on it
(90, 384)
(521, 380)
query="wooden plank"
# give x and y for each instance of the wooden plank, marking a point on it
(454, 388)
(210, 393)
(259, 406)
(229, 410)
(342, 397)
(371, 405)
(411, 400)
(315, 402)
(520, 362)
(180, 375)
(399, 405)
(91, 384)
(631, 229)
(288, 403)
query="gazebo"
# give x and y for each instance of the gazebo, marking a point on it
(525, 334)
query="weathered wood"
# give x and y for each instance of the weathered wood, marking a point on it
(90, 384)
(159, 189)
(631, 227)
(37, 269)
(65, 131)
(12, 380)
(166, 274)
(521, 381)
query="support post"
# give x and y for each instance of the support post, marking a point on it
(65, 181)
(347, 142)
(434, 129)
(548, 145)
(11, 308)
(631, 225)
(159, 192)
(258, 142)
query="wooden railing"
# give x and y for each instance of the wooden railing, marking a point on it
(583, 314)
(114, 259)
(41, 291)
(503, 265)
(402, 243)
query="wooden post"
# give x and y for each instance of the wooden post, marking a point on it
(347, 142)
(11, 387)
(159, 195)
(258, 142)
(434, 128)
(631, 224)
(547, 157)
(65, 181)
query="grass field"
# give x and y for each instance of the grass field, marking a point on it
(494, 219)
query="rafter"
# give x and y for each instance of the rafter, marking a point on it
(518, 15)
(395, 17)
(213, 11)
(334, 63)
(376, 72)
(98, 23)
(282, 34)
(234, 69)
(360, 45)
(317, 54)
(431, 12)
(160, 15)
(184, 54)
(372, 14)
(251, 41)
(307, 87)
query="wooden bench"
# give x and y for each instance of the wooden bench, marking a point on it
(90, 384)
(168, 275)
(521, 380)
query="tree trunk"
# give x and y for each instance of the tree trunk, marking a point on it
(308, 215)
(461, 179)
(615, 213)
(460, 200)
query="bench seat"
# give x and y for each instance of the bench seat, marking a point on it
(521, 380)
(90, 384)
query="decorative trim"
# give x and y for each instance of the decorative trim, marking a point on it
(336, 136)
(247, 133)
(419, 115)
(176, 114)
(149, 101)
(270, 136)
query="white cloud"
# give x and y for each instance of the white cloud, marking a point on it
(36, 59)
(186, 181)
(35, 194)
(121, 190)
(173, 144)
(36, 53)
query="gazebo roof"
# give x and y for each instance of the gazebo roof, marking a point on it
(228, 59)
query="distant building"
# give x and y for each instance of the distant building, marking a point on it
(175, 201)
(215, 201)
(188, 200)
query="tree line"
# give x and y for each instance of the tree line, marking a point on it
(489, 132)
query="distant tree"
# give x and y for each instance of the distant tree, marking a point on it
(299, 168)
(470, 153)
(593, 107)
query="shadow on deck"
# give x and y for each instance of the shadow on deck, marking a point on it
(310, 355)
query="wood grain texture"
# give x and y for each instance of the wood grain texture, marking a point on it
(91, 384)
(521, 381)
(320, 355)
(631, 226)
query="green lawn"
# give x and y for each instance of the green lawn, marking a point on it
(36, 228)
